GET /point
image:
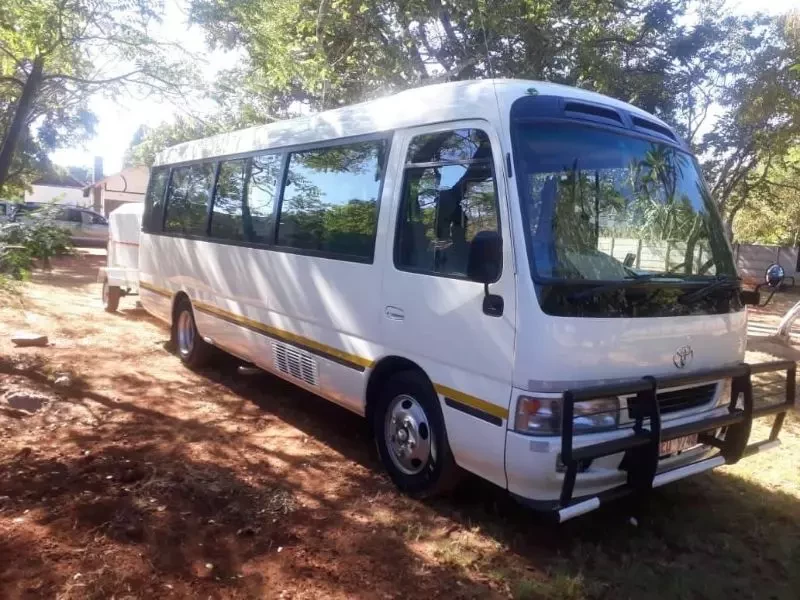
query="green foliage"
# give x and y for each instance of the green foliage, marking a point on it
(149, 141)
(81, 47)
(37, 238)
(682, 60)
(323, 54)
(772, 214)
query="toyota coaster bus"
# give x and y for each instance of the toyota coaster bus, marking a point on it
(522, 280)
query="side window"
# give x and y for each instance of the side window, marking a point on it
(330, 201)
(448, 197)
(244, 199)
(262, 186)
(226, 217)
(187, 199)
(154, 201)
(72, 215)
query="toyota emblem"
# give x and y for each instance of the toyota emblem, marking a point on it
(683, 356)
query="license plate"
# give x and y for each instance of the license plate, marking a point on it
(677, 445)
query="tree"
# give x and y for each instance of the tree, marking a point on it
(680, 60)
(147, 141)
(750, 142)
(55, 54)
(324, 53)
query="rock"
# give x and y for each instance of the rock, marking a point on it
(26, 401)
(24, 339)
(63, 381)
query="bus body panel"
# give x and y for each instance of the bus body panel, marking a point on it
(438, 323)
(342, 317)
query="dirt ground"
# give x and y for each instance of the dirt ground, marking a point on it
(125, 475)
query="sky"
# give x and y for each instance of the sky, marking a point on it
(118, 119)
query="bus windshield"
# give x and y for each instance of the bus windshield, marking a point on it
(605, 206)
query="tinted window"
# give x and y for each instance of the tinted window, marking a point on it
(446, 205)
(187, 199)
(154, 202)
(330, 199)
(600, 205)
(68, 214)
(226, 218)
(261, 193)
(449, 146)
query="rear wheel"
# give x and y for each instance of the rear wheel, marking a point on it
(111, 296)
(411, 437)
(192, 349)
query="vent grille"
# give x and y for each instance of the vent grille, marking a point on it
(591, 109)
(645, 124)
(678, 400)
(296, 363)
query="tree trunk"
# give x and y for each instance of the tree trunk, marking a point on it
(21, 112)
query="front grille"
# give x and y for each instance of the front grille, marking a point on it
(678, 400)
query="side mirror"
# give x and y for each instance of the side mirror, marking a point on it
(630, 258)
(773, 278)
(485, 260)
(774, 275)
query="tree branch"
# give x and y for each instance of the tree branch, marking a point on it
(13, 80)
(92, 81)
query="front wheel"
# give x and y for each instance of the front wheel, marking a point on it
(111, 296)
(411, 437)
(193, 350)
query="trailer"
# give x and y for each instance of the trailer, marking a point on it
(120, 277)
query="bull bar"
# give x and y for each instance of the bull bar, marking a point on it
(642, 447)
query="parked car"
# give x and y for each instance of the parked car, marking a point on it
(86, 226)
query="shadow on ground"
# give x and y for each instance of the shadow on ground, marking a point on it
(132, 503)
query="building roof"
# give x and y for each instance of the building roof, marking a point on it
(419, 106)
(121, 174)
(55, 179)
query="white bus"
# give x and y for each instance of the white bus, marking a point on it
(517, 279)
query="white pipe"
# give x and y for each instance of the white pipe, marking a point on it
(576, 510)
(692, 469)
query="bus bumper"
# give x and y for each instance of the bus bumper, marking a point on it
(546, 473)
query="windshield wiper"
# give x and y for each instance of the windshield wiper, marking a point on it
(613, 285)
(722, 282)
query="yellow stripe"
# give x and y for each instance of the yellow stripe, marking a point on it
(472, 401)
(487, 407)
(286, 335)
(156, 290)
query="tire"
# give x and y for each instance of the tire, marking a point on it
(111, 296)
(193, 351)
(419, 461)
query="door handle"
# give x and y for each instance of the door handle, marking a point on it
(394, 313)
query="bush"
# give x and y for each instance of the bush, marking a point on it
(24, 242)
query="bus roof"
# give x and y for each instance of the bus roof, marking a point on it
(419, 106)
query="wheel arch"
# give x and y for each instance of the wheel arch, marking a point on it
(176, 301)
(385, 368)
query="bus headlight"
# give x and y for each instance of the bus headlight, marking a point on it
(542, 416)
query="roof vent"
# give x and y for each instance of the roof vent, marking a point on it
(645, 124)
(594, 110)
